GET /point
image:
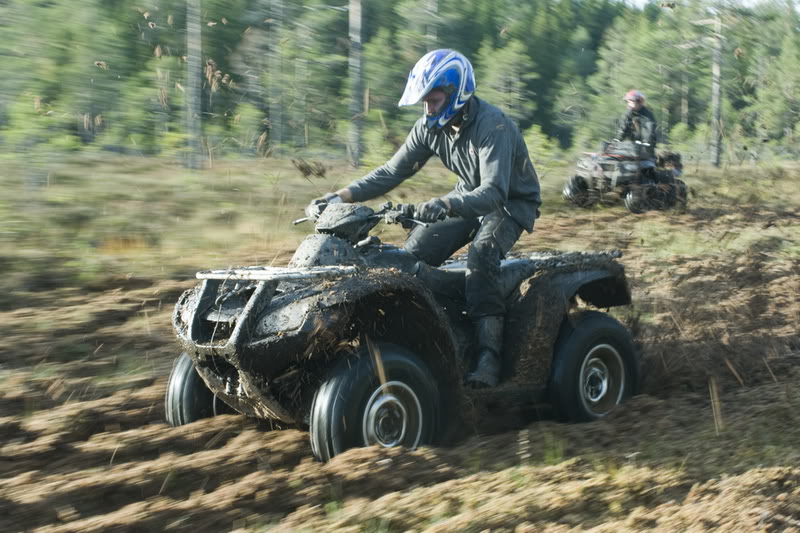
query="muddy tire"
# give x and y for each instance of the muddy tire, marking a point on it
(355, 407)
(636, 200)
(188, 397)
(595, 367)
(576, 191)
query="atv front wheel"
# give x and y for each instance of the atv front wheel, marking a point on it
(577, 192)
(188, 397)
(595, 367)
(391, 402)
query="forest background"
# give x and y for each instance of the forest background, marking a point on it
(261, 78)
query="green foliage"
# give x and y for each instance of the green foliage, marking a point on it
(679, 133)
(377, 147)
(385, 80)
(778, 102)
(415, 36)
(247, 128)
(31, 123)
(545, 154)
(111, 76)
(505, 73)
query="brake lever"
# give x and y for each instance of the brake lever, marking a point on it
(405, 221)
(417, 222)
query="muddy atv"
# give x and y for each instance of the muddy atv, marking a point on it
(623, 170)
(361, 344)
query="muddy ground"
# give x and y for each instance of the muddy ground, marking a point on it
(710, 444)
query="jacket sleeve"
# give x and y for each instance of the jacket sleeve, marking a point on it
(648, 133)
(411, 157)
(624, 128)
(495, 153)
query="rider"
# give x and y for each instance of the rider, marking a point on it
(638, 123)
(495, 200)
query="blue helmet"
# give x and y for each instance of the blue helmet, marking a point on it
(444, 69)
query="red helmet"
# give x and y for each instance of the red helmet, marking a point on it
(634, 96)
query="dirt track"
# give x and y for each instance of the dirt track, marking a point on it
(83, 445)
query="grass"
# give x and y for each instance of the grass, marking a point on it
(150, 218)
(97, 222)
(96, 217)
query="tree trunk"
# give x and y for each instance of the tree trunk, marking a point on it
(301, 84)
(275, 68)
(193, 76)
(685, 96)
(666, 98)
(716, 95)
(356, 84)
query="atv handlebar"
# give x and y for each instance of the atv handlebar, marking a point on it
(634, 142)
(400, 214)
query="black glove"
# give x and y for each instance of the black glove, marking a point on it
(406, 210)
(318, 205)
(431, 211)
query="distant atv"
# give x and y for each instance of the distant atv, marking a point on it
(622, 170)
(362, 344)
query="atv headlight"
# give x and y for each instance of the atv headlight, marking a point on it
(283, 318)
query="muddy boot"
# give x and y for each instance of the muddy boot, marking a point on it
(490, 342)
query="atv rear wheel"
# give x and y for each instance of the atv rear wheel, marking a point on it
(636, 199)
(595, 367)
(361, 403)
(577, 191)
(681, 196)
(188, 397)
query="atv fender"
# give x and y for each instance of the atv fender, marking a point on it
(378, 302)
(298, 338)
(600, 288)
(536, 312)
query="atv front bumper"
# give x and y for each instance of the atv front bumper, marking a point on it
(218, 325)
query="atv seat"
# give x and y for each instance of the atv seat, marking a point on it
(591, 275)
(626, 151)
(449, 280)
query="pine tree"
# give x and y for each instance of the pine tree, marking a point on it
(504, 76)
(778, 101)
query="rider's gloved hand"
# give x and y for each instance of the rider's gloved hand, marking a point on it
(432, 210)
(318, 205)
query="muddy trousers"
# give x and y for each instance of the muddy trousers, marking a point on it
(492, 236)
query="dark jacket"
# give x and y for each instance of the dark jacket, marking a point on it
(639, 125)
(487, 153)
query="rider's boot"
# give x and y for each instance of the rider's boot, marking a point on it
(490, 342)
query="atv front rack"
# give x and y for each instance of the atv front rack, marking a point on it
(214, 307)
(218, 319)
(277, 273)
